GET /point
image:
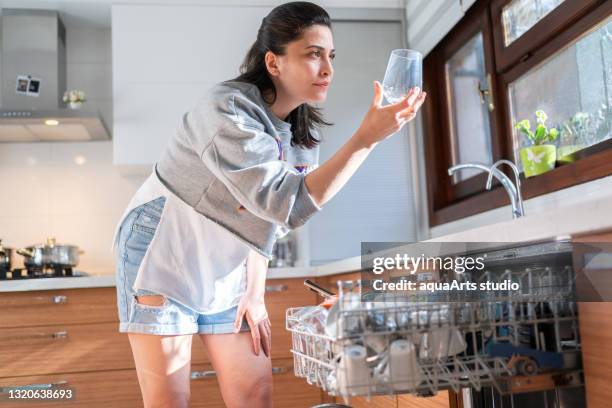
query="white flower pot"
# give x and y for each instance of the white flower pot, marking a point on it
(75, 105)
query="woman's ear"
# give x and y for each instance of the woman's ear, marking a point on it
(271, 61)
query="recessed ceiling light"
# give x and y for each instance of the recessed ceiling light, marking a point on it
(51, 122)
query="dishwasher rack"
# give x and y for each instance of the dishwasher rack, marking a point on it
(420, 343)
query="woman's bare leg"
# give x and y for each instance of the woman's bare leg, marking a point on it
(163, 365)
(245, 379)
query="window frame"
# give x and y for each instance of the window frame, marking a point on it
(545, 29)
(447, 202)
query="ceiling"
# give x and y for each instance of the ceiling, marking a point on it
(97, 13)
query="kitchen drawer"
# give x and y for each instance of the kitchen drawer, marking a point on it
(383, 401)
(288, 390)
(63, 348)
(282, 294)
(115, 388)
(68, 306)
(70, 348)
(119, 389)
(440, 400)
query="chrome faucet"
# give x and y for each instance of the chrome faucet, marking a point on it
(514, 191)
(519, 211)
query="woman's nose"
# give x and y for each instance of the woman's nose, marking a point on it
(327, 70)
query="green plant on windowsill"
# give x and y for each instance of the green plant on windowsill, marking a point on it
(573, 132)
(541, 155)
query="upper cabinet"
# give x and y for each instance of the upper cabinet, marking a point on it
(429, 21)
(164, 59)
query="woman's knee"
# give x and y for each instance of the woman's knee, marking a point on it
(256, 393)
(262, 388)
(166, 399)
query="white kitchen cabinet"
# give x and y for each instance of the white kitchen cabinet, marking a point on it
(164, 59)
(427, 22)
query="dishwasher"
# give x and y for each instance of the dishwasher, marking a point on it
(502, 348)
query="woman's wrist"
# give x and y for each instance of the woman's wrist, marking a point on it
(362, 140)
(256, 271)
(255, 293)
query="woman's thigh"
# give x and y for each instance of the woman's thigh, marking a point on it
(163, 365)
(245, 379)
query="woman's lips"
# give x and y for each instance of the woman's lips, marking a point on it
(323, 85)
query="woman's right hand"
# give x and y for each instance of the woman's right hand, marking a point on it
(381, 122)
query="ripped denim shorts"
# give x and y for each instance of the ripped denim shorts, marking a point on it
(170, 317)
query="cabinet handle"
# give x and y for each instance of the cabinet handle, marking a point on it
(59, 299)
(279, 370)
(277, 288)
(34, 301)
(48, 386)
(196, 375)
(59, 335)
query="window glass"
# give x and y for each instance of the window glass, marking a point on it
(574, 89)
(467, 101)
(518, 16)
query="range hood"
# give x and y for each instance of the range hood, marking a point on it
(33, 72)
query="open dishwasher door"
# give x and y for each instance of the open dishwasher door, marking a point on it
(515, 342)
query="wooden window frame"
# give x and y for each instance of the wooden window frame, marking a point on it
(448, 202)
(549, 26)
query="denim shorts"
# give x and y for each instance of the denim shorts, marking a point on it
(170, 318)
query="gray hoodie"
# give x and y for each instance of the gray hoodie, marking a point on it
(232, 161)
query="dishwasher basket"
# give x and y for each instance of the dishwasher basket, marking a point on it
(421, 344)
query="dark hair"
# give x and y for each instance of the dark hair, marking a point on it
(282, 25)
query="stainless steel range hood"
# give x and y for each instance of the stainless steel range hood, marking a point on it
(33, 72)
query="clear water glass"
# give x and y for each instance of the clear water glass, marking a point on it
(404, 71)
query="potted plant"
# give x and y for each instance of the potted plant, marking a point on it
(573, 131)
(74, 98)
(541, 155)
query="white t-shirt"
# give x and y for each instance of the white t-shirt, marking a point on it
(191, 259)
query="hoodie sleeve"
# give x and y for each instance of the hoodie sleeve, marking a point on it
(246, 159)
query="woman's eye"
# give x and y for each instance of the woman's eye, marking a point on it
(316, 53)
(333, 56)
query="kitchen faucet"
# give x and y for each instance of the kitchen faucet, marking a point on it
(514, 191)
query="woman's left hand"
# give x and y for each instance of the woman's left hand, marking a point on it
(252, 307)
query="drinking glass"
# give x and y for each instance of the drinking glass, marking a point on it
(404, 71)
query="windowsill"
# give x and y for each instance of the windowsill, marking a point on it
(593, 163)
(581, 208)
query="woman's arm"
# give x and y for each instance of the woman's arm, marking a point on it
(379, 123)
(252, 304)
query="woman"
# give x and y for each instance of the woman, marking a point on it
(241, 171)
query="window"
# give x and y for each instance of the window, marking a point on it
(468, 113)
(502, 62)
(519, 16)
(574, 88)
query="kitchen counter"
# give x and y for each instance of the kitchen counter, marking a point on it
(565, 221)
(345, 265)
(23, 285)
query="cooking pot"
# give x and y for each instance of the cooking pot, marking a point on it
(6, 257)
(50, 253)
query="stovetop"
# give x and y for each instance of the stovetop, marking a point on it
(39, 273)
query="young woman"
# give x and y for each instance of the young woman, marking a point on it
(242, 169)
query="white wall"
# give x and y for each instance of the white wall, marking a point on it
(164, 60)
(47, 193)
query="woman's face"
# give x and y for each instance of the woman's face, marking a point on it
(305, 71)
